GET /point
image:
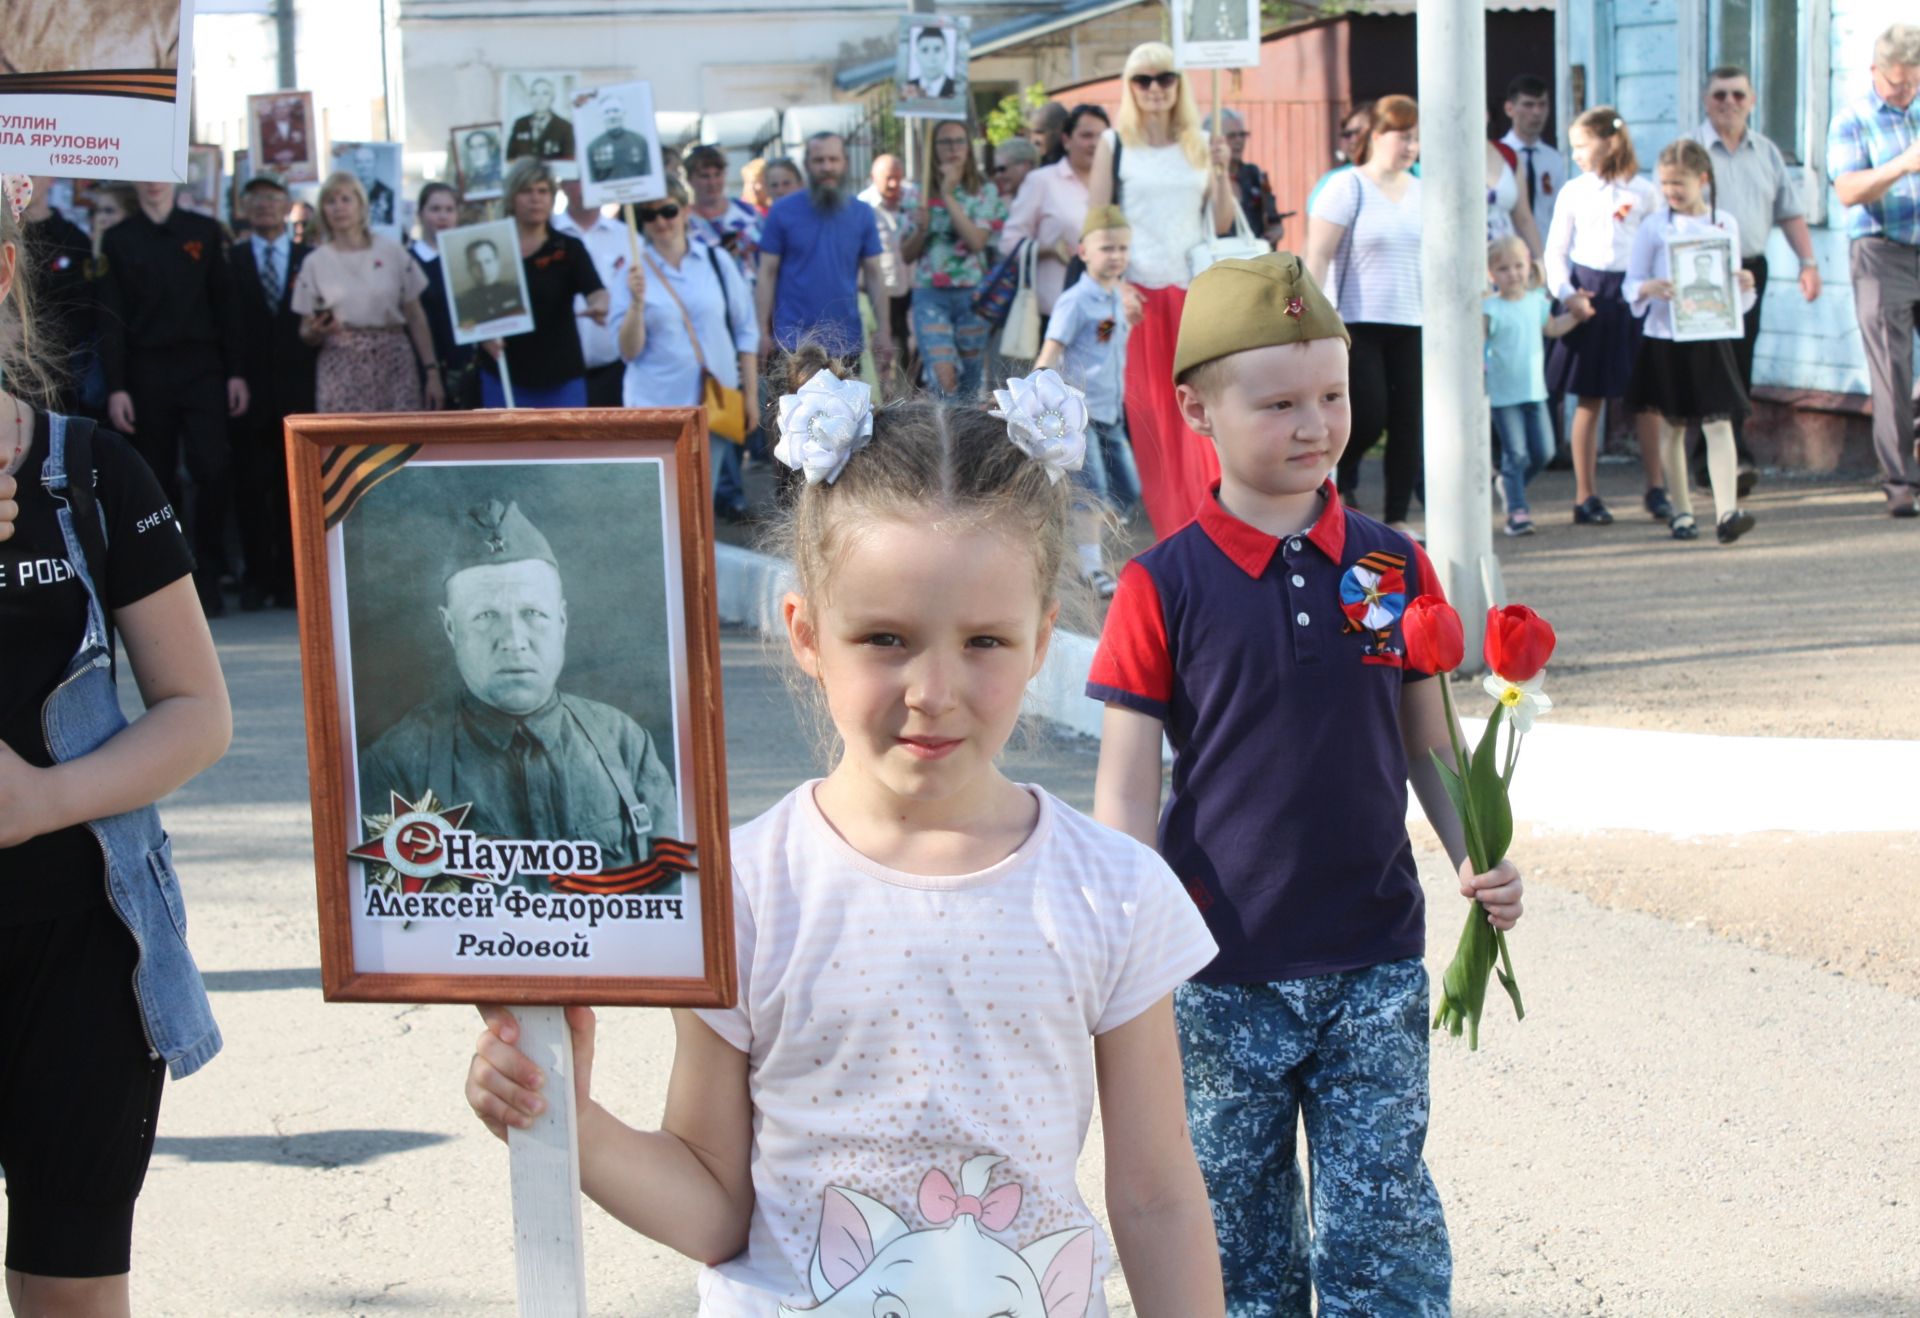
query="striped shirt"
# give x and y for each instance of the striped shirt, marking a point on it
(1375, 274)
(898, 1025)
(1868, 134)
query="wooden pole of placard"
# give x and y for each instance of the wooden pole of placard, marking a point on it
(633, 233)
(548, 1249)
(543, 1160)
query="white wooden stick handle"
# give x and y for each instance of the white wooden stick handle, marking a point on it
(548, 1251)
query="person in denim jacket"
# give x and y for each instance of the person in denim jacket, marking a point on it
(99, 997)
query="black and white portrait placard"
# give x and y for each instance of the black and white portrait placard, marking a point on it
(478, 155)
(1216, 34)
(535, 105)
(1705, 272)
(486, 282)
(930, 67)
(512, 698)
(619, 147)
(378, 167)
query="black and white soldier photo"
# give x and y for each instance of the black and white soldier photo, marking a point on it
(501, 728)
(532, 103)
(486, 282)
(620, 157)
(617, 151)
(479, 160)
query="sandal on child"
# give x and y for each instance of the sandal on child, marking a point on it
(1734, 525)
(1592, 513)
(1102, 583)
(1658, 505)
(1684, 527)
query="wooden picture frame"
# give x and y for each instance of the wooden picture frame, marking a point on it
(284, 135)
(389, 517)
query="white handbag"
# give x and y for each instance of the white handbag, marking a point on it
(1020, 336)
(1240, 245)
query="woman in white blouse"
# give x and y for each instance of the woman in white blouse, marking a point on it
(359, 302)
(677, 287)
(1166, 173)
(1363, 246)
(1594, 220)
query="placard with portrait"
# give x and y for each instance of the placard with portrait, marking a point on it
(486, 282)
(930, 67)
(511, 654)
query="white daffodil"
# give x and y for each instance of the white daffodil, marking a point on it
(1047, 417)
(823, 425)
(1524, 701)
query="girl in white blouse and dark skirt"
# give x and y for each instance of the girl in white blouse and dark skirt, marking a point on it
(1594, 221)
(1676, 383)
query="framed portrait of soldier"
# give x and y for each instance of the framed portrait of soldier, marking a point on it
(378, 167)
(486, 282)
(1216, 34)
(96, 88)
(511, 654)
(1705, 272)
(478, 154)
(620, 157)
(202, 192)
(535, 107)
(930, 67)
(284, 136)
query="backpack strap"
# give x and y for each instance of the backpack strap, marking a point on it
(73, 479)
(1118, 147)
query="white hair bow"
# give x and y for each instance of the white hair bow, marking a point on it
(823, 425)
(1046, 417)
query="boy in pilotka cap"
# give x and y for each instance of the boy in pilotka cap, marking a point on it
(1263, 641)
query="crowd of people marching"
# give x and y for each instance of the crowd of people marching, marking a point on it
(197, 340)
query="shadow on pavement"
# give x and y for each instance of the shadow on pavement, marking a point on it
(262, 981)
(320, 1148)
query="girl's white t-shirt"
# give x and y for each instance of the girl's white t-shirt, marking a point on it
(904, 1031)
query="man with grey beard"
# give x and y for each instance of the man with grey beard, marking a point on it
(816, 249)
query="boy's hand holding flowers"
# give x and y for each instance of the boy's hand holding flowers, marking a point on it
(1519, 643)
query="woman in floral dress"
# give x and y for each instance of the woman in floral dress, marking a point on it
(956, 230)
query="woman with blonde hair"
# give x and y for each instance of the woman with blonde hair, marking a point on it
(1158, 166)
(358, 297)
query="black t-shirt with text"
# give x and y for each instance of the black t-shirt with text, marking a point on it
(43, 617)
(550, 355)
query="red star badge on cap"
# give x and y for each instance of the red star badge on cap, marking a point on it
(1296, 307)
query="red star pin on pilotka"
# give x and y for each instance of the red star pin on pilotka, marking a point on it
(1296, 307)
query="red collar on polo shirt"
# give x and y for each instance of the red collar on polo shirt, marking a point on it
(1251, 549)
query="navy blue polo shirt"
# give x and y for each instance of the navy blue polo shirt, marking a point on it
(1276, 666)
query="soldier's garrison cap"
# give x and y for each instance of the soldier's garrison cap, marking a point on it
(1236, 306)
(493, 532)
(1103, 217)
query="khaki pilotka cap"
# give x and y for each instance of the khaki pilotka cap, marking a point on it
(1235, 306)
(1104, 217)
(493, 532)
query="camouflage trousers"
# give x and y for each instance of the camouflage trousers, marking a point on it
(1347, 1055)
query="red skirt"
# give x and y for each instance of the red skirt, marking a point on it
(1177, 467)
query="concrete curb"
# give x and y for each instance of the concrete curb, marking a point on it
(1577, 778)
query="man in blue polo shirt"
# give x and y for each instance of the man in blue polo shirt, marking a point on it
(1263, 640)
(815, 248)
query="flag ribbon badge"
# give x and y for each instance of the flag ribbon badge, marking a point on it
(670, 857)
(349, 471)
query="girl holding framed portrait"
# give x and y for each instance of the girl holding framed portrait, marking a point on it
(1684, 279)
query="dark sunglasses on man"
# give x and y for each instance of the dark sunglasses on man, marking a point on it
(1160, 80)
(648, 214)
(1729, 94)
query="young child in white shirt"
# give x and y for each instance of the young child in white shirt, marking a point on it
(1697, 380)
(934, 961)
(1593, 226)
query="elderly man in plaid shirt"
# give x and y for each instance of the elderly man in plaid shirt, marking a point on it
(1873, 157)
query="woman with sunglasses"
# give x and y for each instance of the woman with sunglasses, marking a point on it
(1159, 168)
(955, 232)
(547, 366)
(688, 314)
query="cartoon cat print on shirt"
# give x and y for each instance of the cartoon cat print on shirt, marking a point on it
(955, 1270)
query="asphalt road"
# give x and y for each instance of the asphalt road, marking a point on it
(1683, 1125)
